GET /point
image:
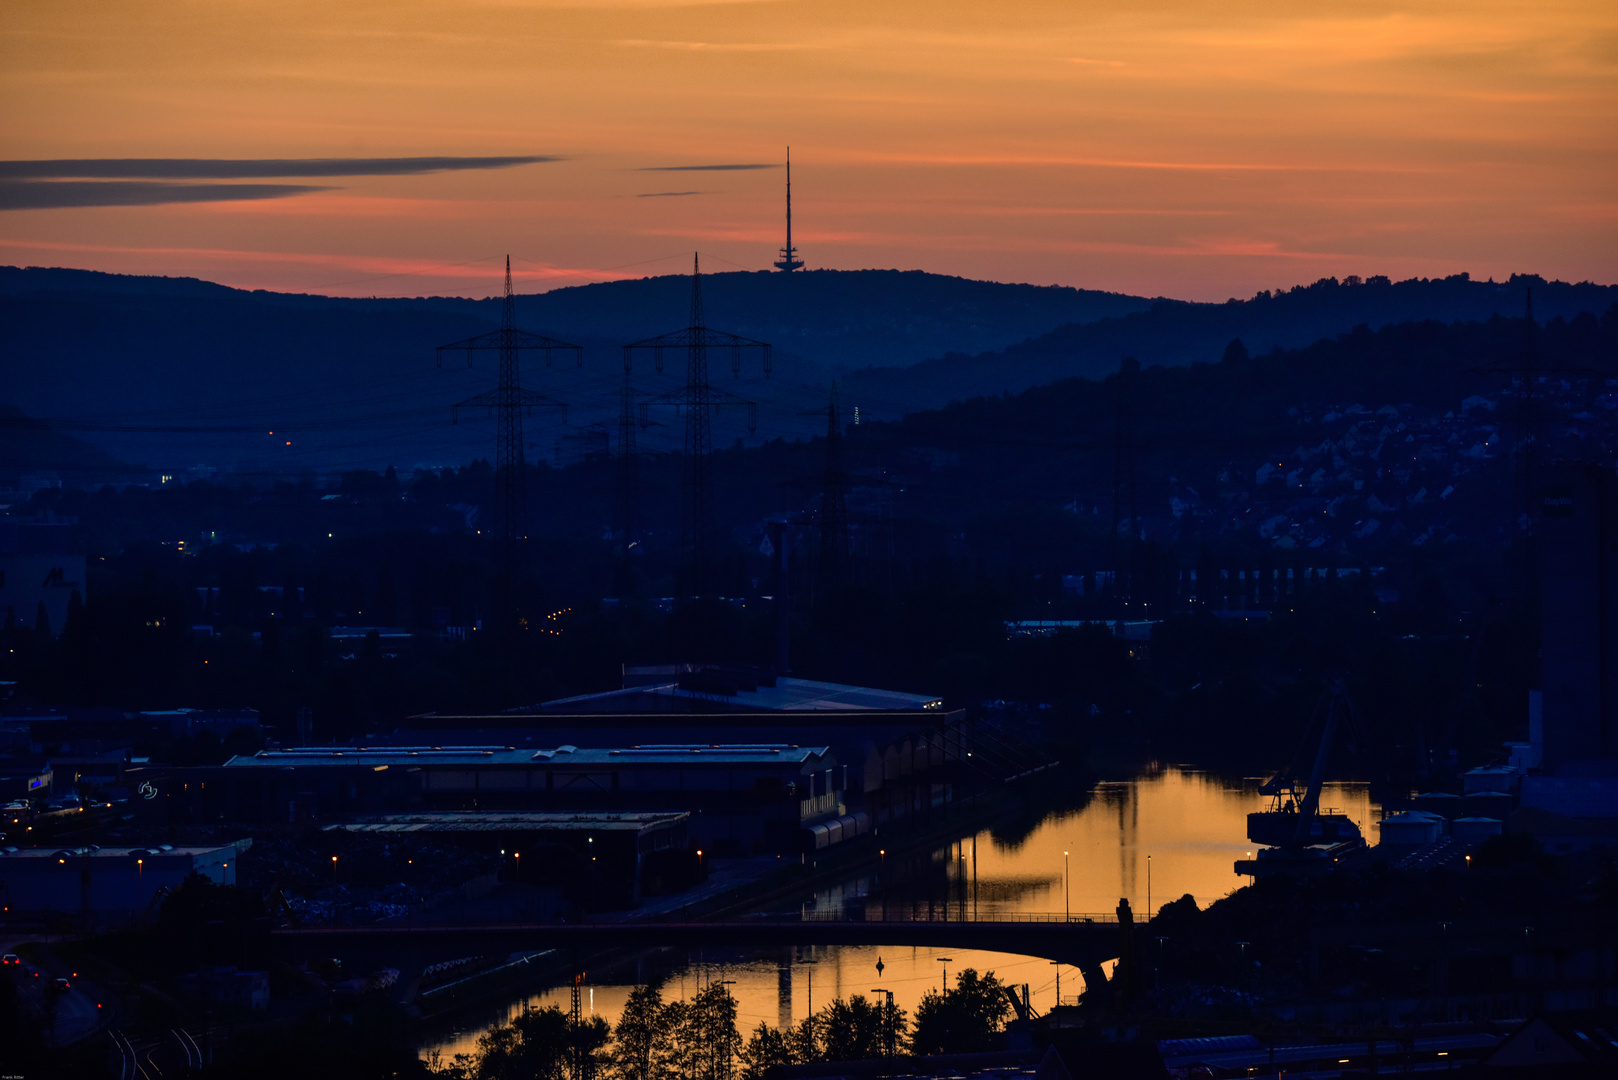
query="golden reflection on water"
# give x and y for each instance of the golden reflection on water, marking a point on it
(1192, 826)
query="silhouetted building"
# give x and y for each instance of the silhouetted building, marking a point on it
(607, 860)
(901, 762)
(1578, 540)
(742, 798)
(1577, 730)
(106, 886)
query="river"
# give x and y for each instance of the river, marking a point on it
(1152, 839)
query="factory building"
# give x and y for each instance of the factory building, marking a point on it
(599, 860)
(102, 887)
(1571, 760)
(742, 798)
(906, 755)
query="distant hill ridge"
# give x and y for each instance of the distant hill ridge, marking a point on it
(28, 447)
(1174, 333)
(181, 373)
(834, 318)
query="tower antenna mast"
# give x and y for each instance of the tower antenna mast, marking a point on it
(789, 260)
(508, 402)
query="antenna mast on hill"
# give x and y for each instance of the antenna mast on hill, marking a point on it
(510, 401)
(789, 260)
(698, 399)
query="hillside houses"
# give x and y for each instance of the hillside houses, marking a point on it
(1361, 477)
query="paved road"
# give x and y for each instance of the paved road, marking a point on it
(75, 1013)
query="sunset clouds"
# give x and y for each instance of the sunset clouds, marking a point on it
(1191, 149)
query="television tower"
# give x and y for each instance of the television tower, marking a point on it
(697, 398)
(789, 260)
(510, 401)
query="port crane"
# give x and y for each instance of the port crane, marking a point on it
(1298, 835)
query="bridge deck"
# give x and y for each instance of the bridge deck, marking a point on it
(1082, 944)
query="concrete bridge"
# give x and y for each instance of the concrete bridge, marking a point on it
(1085, 943)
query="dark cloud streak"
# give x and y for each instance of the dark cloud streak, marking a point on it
(665, 194)
(250, 169)
(61, 194)
(704, 168)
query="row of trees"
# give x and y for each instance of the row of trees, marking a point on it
(698, 1039)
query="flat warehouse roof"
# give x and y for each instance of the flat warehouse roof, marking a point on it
(472, 821)
(472, 757)
(787, 695)
(55, 854)
(785, 722)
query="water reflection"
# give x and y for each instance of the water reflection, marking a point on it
(1152, 840)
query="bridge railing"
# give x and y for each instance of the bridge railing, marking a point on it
(940, 916)
(437, 921)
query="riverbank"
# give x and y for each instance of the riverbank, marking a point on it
(735, 887)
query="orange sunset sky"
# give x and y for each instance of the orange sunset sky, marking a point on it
(1182, 148)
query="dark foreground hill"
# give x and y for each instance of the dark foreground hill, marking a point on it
(1175, 333)
(31, 450)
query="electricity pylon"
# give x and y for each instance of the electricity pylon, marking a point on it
(698, 398)
(507, 403)
(834, 485)
(626, 501)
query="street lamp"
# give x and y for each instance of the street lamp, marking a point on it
(1057, 964)
(334, 869)
(1067, 897)
(809, 976)
(946, 961)
(1148, 888)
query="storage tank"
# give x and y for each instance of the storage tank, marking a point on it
(1412, 829)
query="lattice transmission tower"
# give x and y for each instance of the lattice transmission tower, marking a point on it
(698, 398)
(507, 403)
(1125, 494)
(834, 484)
(626, 527)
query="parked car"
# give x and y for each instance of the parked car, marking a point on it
(9, 959)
